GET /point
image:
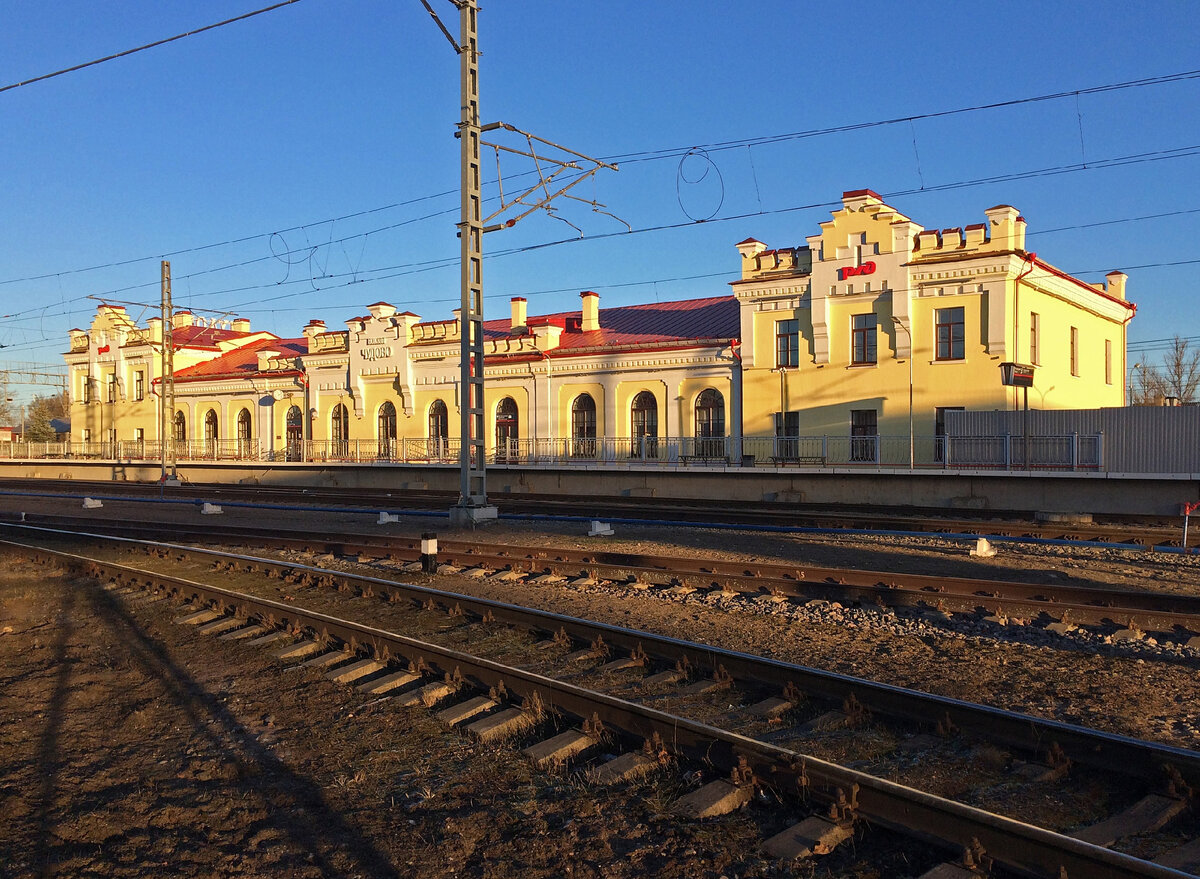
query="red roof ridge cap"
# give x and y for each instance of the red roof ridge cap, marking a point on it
(859, 193)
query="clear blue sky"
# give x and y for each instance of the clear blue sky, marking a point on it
(330, 108)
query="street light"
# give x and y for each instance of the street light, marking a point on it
(1129, 384)
(781, 449)
(901, 326)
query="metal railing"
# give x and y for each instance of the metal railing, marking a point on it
(1063, 452)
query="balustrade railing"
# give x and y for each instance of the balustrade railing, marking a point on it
(1064, 452)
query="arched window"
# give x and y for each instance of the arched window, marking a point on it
(295, 434)
(387, 430)
(243, 434)
(180, 433)
(211, 434)
(339, 431)
(643, 424)
(507, 430)
(439, 429)
(583, 426)
(710, 424)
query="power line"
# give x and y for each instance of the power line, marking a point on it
(648, 155)
(247, 238)
(399, 270)
(156, 43)
(651, 155)
(1114, 222)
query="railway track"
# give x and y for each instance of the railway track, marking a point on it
(1013, 524)
(785, 710)
(1173, 617)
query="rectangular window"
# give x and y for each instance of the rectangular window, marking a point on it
(862, 338)
(139, 385)
(110, 385)
(87, 388)
(864, 428)
(87, 435)
(787, 343)
(1074, 350)
(787, 432)
(139, 439)
(950, 334)
(1035, 333)
(1108, 361)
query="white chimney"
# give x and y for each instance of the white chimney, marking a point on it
(591, 311)
(518, 313)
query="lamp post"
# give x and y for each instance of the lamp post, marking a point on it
(1129, 384)
(781, 431)
(901, 326)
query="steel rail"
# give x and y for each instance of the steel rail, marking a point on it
(1022, 847)
(1155, 611)
(1109, 752)
(694, 510)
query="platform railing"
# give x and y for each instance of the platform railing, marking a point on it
(1010, 453)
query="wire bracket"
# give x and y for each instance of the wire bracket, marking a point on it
(554, 164)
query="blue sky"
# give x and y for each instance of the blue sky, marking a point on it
(318, 139)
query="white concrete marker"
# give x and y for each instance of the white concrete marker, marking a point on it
(600, 529)
(210, 510)
(983, 549)
(386, 518)
(90, 503)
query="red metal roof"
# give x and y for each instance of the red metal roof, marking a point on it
(243, 361)
(662, 324)
(197, 336)
(665, 323)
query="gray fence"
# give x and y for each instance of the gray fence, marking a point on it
(1133, 439)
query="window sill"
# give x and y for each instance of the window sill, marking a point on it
(947, 362)
(863, 365)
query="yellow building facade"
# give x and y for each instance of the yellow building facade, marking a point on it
(115, 368)
(850, 349)
(876, 311)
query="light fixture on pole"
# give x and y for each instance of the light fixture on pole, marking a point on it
(1129, 386)
(781, 430)
(911, 455)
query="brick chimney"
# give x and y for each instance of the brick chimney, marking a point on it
(1114, 284)
(591, 311)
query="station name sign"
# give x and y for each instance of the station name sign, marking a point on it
(867, 268)
(1016, 375)
(376, 349)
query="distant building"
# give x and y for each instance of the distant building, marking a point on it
(114, 366)
(816, 341)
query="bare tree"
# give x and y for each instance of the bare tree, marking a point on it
(1181, 371)
(1177, 376)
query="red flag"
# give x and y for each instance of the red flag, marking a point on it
(103, 349)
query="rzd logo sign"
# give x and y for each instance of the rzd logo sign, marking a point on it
(867, 268)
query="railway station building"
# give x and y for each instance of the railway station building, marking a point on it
(849, 348)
